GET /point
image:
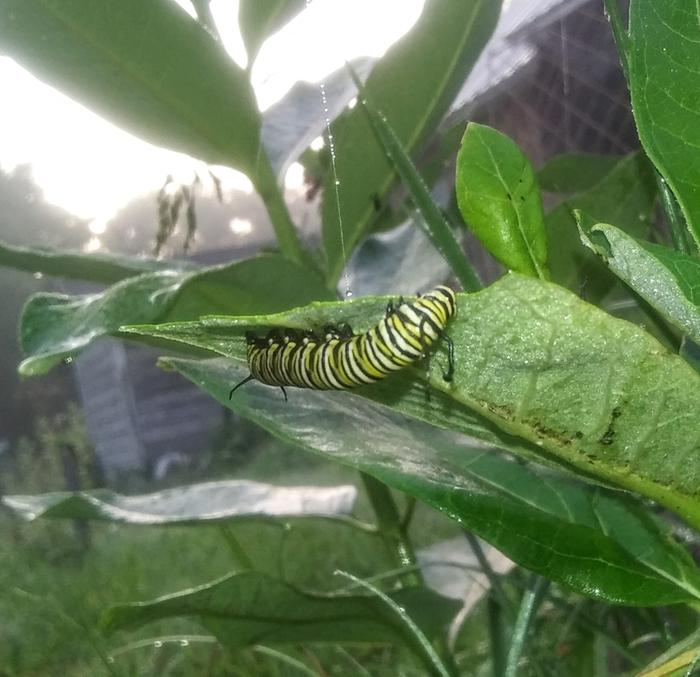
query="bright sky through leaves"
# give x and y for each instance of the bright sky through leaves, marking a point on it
(91, 168)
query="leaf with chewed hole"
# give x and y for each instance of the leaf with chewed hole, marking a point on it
(667, 279)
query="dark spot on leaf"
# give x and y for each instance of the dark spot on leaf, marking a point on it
(608, 436)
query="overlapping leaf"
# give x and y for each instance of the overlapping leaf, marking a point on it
(500, 201)
(667, 279)
(412, 85)
(575, 172)
(589, 539)
(146, 66)
(258, 19)
(250, 608)
(54, 326)
(103, 268)
(596, 393)
(625, 196)
(194, 504)
(664, 77)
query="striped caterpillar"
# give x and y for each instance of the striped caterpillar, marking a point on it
(340, 359)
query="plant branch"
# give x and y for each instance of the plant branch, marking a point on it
(528, 607)
(390, 527)
(266, 186)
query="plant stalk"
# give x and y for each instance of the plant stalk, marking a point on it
(528, 607)
(266, 186)
(676, 221)
(390, 527)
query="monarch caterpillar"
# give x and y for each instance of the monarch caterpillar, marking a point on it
(341, 359)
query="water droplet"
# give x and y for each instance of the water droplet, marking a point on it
(67, 360)
(157, 644)
(337, 182)
(38, 275)
(348, 294)
(110, 659)
(184, 642)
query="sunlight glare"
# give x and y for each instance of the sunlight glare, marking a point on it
(91, 168)
(240, 226)
(294, 178)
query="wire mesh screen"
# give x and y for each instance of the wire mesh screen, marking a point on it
(572, 96)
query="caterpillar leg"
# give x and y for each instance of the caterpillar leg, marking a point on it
(345, 330)
(449, 374)
(238, 385)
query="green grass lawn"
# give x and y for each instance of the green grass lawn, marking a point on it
(53, 592)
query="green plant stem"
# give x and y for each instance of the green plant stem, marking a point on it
(582, 620)
(530, 603)
(498, 593)
(676, 221)
(435, 664)
(266, 186)
(390, 527)
(622, 40)
(497, 636)
(240, 557)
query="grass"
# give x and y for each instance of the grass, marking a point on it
(53, 592)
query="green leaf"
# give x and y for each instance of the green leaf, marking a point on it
(664, 52)
(258, 19)
(499, 199)
(624, 196)
(597, 542)
(103, 268)
(54, 326)
(598, 394)
(432, 220)
(145, 66)
(413, 85)
(407, 395)
(195, 504)
(250, 608)
(668, 280)
(575, 172)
